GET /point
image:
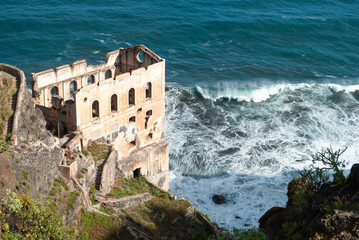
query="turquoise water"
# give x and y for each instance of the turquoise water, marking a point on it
(253, 87)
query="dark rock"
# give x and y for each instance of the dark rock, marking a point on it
(354, 178)
(218, 199)
(272, 221)
(271, 212)
(296, 186)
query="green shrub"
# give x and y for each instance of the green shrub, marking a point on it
(316, 176)
(336, 203)
(293, 230)
(250, 234)
(4, 145)
(71, 200)
(25, 174)
(29, 220)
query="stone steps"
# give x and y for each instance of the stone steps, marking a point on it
(13, 103)
(99, 174)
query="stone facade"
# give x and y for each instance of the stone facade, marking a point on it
(121, 101)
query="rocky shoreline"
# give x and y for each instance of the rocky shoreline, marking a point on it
(330, 213)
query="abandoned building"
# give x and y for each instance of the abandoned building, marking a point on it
(121, 102)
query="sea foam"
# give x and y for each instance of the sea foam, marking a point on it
(248, 151)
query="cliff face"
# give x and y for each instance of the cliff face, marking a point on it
(330, 213)
(35, 159)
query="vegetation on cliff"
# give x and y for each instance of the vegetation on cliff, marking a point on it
(159, 217)
(318, 208)
(7, 90)
(22, 218)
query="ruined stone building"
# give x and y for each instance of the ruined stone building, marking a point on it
(121, 102)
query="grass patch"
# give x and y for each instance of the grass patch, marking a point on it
(126, 187)
(96, 226)
(170, 208)
(107, 211)
(98, 151)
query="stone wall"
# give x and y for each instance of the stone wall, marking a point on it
(108, 173)
(116, 124)
(64, 75)
(118, 204)
(152, 162)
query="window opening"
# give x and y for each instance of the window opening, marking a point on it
(133, 143)
(132, 119)
(149, 90)
(131, 97)
(108, 74)
(91, 80)
(114, 103)
(147, 118)
(54, 91)
(73, 88)
(95, 109)
(140, 57)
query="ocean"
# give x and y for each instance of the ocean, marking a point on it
(254, 88)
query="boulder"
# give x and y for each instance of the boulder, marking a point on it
(219, 199)
(271, 222)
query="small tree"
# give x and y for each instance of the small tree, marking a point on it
(316, 176)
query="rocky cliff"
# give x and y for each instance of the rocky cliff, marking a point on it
(330, 213)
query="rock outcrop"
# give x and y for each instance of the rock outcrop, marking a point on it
(35, 158)
(32, 124)
(330, 213)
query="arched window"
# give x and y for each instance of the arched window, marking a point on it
(95, 109)
(114, 103)
(131, 97)
(54, 91)
(149, 90)
(108, 74)
(73, 88)
(140, 57)
(91, 80)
